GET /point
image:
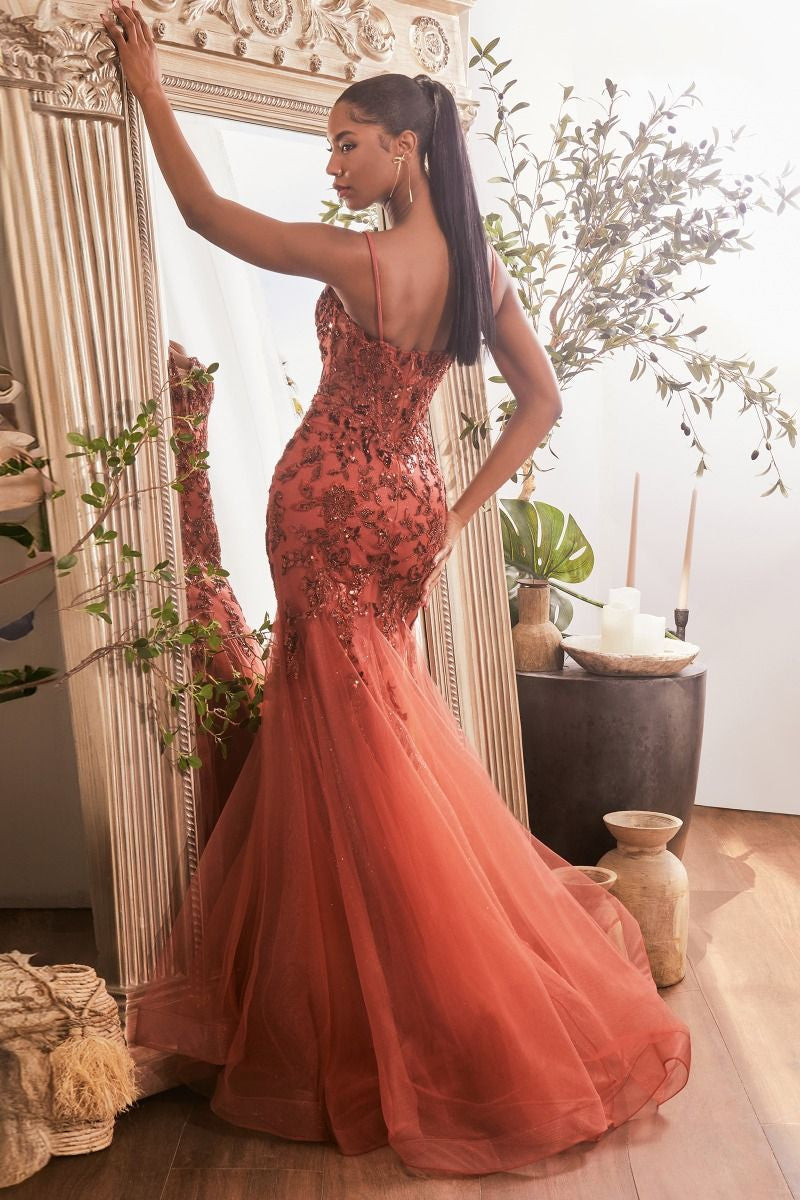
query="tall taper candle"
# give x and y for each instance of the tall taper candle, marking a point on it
(683, 594)
(631, 577)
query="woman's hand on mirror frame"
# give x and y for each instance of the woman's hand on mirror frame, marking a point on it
(453, 526)
(135, 45)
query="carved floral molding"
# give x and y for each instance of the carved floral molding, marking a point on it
(355, 27)
(67, 63)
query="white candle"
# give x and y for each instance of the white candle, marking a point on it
(616, 630)
(648, 633)
(625, 597)
(631, 577)
(683, 593)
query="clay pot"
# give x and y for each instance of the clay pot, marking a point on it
(653, 885)
(536, 640)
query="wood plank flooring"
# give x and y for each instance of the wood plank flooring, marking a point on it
(733, 1133)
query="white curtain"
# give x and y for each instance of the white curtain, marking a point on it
(217, 308)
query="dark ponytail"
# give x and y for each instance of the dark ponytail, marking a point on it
(399, 102)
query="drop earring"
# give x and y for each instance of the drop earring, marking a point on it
(401, 159)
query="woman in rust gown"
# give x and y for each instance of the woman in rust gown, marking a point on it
(386, 955)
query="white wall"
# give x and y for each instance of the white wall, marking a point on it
(745, 582)
(43, 862)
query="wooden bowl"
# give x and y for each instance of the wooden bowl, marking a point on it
(585, 649)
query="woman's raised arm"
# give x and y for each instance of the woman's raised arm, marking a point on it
(312, 249)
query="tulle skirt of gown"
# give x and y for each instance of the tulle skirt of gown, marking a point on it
(374, 950)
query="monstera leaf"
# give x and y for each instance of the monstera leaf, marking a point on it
(535, 543)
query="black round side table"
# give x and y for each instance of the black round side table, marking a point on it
(593, 744)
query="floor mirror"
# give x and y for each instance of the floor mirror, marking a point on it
(99, 276)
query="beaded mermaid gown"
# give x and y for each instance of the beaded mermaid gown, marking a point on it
(373, 949)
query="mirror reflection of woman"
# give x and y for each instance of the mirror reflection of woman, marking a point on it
(237, 662)
(387, 954)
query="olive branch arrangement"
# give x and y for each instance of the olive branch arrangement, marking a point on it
(219, 704)
(620, 226)
(597, 241)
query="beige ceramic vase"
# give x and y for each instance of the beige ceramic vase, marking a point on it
(653, 885)
(536, 639)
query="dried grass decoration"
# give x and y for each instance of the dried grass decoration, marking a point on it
(91, 1070)
(92, 1077)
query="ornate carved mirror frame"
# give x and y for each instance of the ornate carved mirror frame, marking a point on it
(81, 287)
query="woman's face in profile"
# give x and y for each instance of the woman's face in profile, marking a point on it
(361, 168)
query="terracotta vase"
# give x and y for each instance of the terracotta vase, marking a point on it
(536, 640)
(653, 885)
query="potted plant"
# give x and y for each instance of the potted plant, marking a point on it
(537, 545)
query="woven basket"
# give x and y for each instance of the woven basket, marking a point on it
(80, 1137)
(66, 1069)
(77, 986)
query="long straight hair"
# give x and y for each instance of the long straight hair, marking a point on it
(398, 102)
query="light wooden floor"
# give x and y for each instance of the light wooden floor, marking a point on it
(733, 1133)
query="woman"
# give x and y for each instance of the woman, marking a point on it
(378, 951)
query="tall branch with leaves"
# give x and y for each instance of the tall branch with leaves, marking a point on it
(218, 704)
(598, 239)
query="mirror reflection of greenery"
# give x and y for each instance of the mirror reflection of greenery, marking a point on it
(148, 643)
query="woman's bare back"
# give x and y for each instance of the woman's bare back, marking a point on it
(416, 290)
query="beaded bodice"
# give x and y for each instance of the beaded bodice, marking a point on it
(367, 382)
(357, 505)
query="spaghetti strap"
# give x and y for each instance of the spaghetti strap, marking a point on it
(368, 236)
(494, 266)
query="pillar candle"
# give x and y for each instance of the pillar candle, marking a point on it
(616, 630)
(649, 633)
(625, 597)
